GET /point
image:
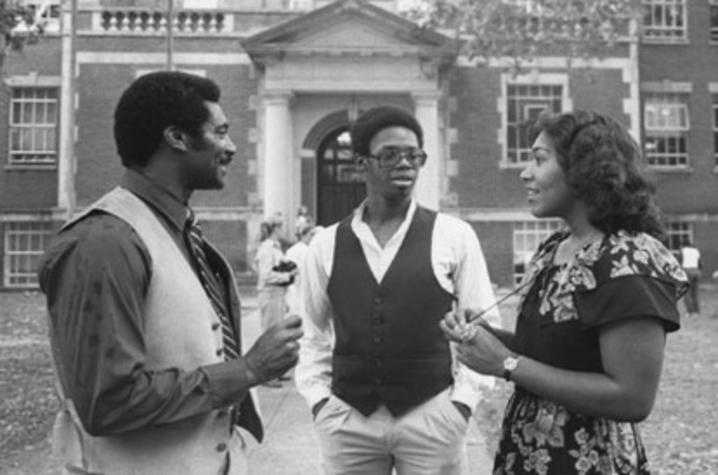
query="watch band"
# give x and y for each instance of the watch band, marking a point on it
(507, 374)
(510, 364)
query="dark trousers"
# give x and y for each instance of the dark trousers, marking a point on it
(691, 298)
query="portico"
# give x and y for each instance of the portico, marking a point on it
(317, 73)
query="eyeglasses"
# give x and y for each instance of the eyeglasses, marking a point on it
(389, 157)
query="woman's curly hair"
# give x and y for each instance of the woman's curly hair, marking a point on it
(604, 167)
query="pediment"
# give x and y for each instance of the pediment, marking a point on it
(348, 27)
(350, 34)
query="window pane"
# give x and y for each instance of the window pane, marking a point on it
(24, 244)
(527, 235)
(523, 105)
(33, 128)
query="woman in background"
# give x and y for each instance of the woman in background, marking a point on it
(273, 277)
(597, 301)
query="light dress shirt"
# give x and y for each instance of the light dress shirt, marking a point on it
(459, 266)
(690, 257)
(297, 254)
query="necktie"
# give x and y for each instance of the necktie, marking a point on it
(196, 243)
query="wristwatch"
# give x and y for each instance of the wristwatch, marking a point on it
(510, 364)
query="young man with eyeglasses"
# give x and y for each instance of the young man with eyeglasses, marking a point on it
(374, 366)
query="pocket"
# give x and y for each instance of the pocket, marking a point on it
(332, 415)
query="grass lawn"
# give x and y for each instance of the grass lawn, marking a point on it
(680, 435)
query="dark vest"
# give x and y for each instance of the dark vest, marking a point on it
(389, 347)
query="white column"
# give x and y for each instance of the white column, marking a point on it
(277, 170)
(427, 113)
(66, 155)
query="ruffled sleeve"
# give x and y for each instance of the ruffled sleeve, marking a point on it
(632, 275)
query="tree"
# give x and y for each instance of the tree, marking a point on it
(524, 29)
(19, 26)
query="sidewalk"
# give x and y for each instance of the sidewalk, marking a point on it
(290, 446)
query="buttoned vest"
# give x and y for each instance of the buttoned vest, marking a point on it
(389, 348)
(178, 325)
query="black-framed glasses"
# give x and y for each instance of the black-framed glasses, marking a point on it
(389, 157)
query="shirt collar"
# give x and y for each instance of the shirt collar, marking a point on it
(164, 202)
(362, 230)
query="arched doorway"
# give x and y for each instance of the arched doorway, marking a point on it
(340, 184)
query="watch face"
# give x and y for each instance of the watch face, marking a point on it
(510, 363)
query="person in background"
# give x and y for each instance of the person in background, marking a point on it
(597, 301)
(374, 368)
(144, 314)
(297, 254)
(691, 262)
(274, 275)
(302, 221)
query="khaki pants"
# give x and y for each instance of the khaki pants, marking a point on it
(428, 440)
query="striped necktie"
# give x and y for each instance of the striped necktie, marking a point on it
(196, 242)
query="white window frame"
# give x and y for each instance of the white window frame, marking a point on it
(714, 109)
(668, 30)
(660, 108)
(678, 232)
(20, 255)
(713, 6)
(49, 154)
(531, 79)
(526, 237)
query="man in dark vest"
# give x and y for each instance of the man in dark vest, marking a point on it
(144, 312)
(374, 367)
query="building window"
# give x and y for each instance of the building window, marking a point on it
(527, 237)
(524, 103)
(715, 128)
(24, 245)
(678, 232)
(714, 21)
(667, 124)
(664, 20)
(33, 126)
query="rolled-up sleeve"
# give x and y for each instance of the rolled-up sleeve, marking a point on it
(313, 373)
(474, 291)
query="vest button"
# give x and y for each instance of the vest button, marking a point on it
(378, 382)
(379, 362)
(378, 320)
(377, 300)
(221, 447)
(215, 325)
(377, 339)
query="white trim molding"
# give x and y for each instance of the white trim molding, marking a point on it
(33, 79)
(133, 57)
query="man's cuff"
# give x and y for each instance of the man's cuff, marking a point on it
(466, 396)
(314, 395)
(228, 382)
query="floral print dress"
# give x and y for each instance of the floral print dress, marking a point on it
(560, 313)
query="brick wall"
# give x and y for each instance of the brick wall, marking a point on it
(27, 189)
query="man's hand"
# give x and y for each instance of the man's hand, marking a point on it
(275, 351)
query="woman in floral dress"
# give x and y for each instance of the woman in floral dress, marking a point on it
(596, 303)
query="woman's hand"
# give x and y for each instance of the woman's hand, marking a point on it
(484, 353)
(476, 346)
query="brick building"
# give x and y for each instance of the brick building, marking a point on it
(294, 74)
